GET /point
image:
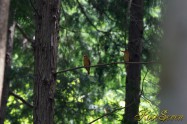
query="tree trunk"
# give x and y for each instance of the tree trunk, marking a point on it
(45, 55)
(7, 79)
(133, 78)
(4, 10)
(174, 72)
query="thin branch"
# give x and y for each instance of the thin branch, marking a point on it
(107, 114)
(142, 91)
(21, 99)
(151, 102)
(105, 64)
(88, 19)
(23, 33)
(34, 7)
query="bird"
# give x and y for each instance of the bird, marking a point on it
(87, 62)
(126, 57)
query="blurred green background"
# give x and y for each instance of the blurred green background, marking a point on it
(98, 28)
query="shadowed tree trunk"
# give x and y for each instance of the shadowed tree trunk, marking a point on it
(133, 78)
(7, 76)
(4, 10)
(45, 55)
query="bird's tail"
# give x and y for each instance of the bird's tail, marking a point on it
(88, 70)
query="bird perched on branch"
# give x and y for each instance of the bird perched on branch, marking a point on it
(126, 57)
(87, 63)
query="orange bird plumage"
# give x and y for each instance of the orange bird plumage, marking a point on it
(87, 63)
(126, 56)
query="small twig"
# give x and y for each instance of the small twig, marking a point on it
(88, 19)
(23, 33)
(151, 102)
(34, 8)
(142, 91)
(106, 64)
(21, 99)
(107, 114)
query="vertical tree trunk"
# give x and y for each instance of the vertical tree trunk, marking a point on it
(173, 82)
(7, 71)
(133, 79)
(45, 55)
(4, 10)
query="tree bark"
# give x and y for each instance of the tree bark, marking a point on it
(7, 78)
(4, 10)
(45, 55)
(132, 99)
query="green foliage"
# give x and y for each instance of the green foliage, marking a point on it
(98, 28)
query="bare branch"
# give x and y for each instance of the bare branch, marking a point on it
(151, 102)
(106, 64)
(88, 19)
(21, 99)
(35, 10)
(107, 114)
(142, 91)
(23, 33)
